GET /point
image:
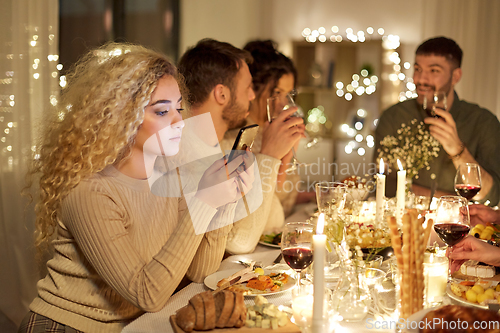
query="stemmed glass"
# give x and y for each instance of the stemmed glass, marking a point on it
(276, 105)
(452, 223)
(297, 247)
(437, 101)
(468, 180)
(331, 198)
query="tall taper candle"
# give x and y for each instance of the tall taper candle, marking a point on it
(400, 193)
(319, 248)
(379, 215)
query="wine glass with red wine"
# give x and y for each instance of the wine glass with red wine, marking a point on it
(437, 101)
(297, 247)
(452, 223)
(468, 180)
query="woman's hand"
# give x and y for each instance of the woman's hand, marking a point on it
(218, 186)
(474, 249)
(481, 214)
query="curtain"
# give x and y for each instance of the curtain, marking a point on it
(29, 83)
(475, 26)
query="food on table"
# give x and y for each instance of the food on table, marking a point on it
(367, 236)
(206, 311)
(265, 315)
(238, 277)
(272, 238)
(486, 231)
(479, 292)
(248, 281)
(477, 269)
(447, 314)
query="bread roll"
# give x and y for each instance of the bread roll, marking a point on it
(208, 301)
(197, 302)
(206, 311)
(224, 304)
(185, 318)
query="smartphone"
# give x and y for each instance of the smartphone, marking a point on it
(244, 140)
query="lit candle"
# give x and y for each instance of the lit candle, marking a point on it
(319, 247)
(435, 278)
(380, 193)
(400, 193)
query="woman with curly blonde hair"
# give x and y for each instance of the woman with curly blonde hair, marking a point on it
(119, 250)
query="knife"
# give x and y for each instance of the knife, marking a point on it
(278, 259)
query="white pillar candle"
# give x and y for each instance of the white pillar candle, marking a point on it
(319, 248)
(435, 278)
(400, 193)
(380, 194)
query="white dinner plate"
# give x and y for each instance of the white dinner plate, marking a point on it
(211, 282)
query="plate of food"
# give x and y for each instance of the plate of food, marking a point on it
(272, 239)
(269, 282)
(474, 293)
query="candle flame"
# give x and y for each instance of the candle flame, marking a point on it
(381, 166)
(431, 258)
(400, 166)
(321, 224)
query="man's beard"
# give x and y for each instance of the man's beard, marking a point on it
(234, 114)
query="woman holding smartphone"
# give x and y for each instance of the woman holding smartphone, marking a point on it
(120, 250)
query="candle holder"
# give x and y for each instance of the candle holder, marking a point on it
(435, 279)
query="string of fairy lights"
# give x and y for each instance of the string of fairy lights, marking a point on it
(8, 77)
(362, 82)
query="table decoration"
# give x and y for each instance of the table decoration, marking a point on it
(319, 249)
(413, 146)
(435, 279)
(352, 298)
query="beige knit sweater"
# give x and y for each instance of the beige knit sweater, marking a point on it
(120, 251)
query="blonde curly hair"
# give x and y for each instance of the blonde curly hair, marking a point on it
(95, 123)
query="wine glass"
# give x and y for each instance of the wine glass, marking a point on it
(468, 180)
(452, 223)
(276, 105)
(437, 101)
(297, 247)
(331, 197)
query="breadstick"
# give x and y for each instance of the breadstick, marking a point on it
(418, 263)
(427, 232)
(405, 273)
(395, 240)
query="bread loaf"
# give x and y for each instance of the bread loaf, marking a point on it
(206, 311)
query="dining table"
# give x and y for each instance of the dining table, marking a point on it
(160, 321)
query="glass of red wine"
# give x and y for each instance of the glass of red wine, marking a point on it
(468, 180)
(297, 247)
(452, 223)
(437, 101)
